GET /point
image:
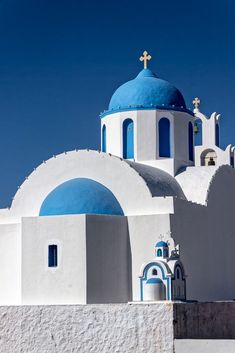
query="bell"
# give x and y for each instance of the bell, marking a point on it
(196, 129)
(211, 161)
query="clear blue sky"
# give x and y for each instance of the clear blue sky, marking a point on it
(60, 62)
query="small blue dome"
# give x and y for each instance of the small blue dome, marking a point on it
(161, 244)
(153, 280)
(80, 196)
(147, 91)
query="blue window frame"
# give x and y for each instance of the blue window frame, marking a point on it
(164, 138)
(128, 139)
(104, 138)
(52, 256)
(159, 253)
(190, 142)
(198, 132)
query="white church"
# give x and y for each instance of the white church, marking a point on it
(149, 217)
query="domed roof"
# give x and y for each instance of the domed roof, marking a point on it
(162, 244)
(80, 196)
(147, 91)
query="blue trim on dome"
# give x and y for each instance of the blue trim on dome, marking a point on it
(154, 280)
(153, 107)
(80, 196)
(161, 244)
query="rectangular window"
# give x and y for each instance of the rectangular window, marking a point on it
(52, 255)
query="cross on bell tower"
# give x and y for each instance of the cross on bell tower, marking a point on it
(145, 58)
(196, 103)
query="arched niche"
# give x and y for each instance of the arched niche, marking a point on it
(128, 138)
(104, 138)
(164, 138)
(208, 157)
(198, 132)
(190, 142)
(217, 134)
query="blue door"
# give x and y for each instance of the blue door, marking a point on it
(128, 139)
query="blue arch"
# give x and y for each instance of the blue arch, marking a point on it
(164, 138)
(190, 142)
(198, 132)
(104, 138)
(144, 278)
(217, 137)
(128, 138)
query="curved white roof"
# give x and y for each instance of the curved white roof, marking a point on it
(159, 182)
(195, 182)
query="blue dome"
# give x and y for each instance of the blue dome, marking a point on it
(80, 196)
(147, 91)
(153, 280)
(161, 244)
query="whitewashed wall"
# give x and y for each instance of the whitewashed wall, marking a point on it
(146, 140)
(10, 264)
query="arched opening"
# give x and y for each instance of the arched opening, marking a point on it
(232, 160)
(128, 139)
(104, 138)
(190, 142)
(159, 253)
(154, 272)
(217, 134)
(154, 289)
(208, 158)
(178, 273)
(198, 132)
(164, 138)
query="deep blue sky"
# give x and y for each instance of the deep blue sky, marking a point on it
(60, 62)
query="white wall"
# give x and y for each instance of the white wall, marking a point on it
(144, 232)
(207, 240)
(10, 264)
(66, 283)
(87, 329)
(108, 259)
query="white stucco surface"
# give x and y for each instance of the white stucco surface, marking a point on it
(120, 328)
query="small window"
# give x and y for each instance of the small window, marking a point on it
(154, 272)
(52, 256)
(159, 253)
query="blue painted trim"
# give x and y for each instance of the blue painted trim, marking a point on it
(144, 278)
(156, 107)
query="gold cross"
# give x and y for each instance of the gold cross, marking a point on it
(196, 102)
(145, 58)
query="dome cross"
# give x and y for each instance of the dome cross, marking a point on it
(196, 102)
(145, 58)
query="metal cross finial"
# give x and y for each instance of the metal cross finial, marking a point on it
(145, 58)
(196, 102)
